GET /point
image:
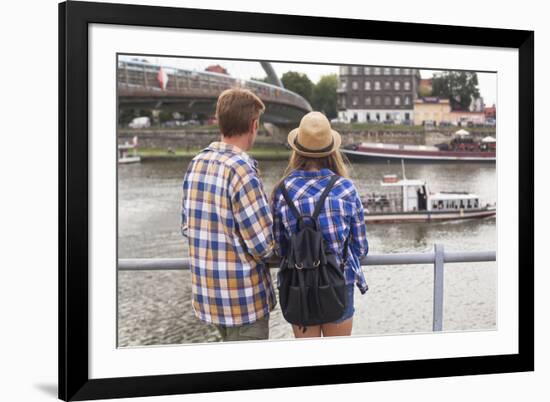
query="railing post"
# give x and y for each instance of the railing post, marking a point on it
(438, 287)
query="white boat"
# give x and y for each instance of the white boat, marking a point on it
(127, 152)
(415, 203)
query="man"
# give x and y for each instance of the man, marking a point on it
(229, 225)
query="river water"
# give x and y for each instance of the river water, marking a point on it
(155, 307)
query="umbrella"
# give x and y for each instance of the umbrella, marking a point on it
(462, 132)
(489, 139)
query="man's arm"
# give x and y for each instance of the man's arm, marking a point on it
(252, 215)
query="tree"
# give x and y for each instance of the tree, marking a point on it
(459, 86)
(299, 83)
(324, 95)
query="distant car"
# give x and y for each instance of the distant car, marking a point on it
(388, 122)
(407, 122)
(140, 122)
(190, 123)
(445, 124)
(171, 123)
(490, 122)
(429, 123)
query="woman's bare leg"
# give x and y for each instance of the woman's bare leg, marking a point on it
(341, 329)
(311, 332)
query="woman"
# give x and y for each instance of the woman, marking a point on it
(315, 159)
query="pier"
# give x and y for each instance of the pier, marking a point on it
(439, 257)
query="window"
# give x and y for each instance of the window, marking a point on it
(367, 70)
(397, 71)
(367, 86)
(344, 70)
(407, 85)
(368, 100)
(376, 70)
(397, 85)
(354, 85)
(377, 100)
(354, 70)
(368, 116)
(406, 71)
(387, 71)
(387, 101)
(397, 101)
(407, 100)
(377, 85)
(343, 84)
(354, 101)
(387, 85)
(377, 116)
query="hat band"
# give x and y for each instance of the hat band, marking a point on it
(304, 149)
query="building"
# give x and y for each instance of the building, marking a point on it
(432, 110)
(425, 87)
(490, 112)
(377, 94)
(464, 117)
(477, 105)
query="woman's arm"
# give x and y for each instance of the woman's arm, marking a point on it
(358, 229)
(278, 226)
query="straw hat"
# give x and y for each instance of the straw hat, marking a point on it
(314, 138)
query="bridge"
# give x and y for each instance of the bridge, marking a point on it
(142, 85)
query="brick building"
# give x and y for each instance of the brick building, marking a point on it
(377, 94)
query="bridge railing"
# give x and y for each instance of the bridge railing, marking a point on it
(138, 75)
(438, 258)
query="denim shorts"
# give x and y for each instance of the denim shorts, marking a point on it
(350, 309)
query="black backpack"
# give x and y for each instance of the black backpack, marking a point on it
(311, 283)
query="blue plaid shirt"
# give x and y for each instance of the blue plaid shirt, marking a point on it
(341, 216)
(229, 228)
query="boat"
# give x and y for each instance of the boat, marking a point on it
(461, 148)
(415, 203)
(127, 152)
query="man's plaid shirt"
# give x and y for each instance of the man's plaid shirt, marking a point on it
(341, 216)
(229, 229)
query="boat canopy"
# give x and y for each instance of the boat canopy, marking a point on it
(489, 139)
(453, 196)
(403, 183)
(462, 132)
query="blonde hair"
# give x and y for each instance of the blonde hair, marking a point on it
(236, 109)
(336, 161)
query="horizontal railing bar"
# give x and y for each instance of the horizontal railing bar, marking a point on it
(161, 264)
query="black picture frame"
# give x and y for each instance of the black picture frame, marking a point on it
(74, 18)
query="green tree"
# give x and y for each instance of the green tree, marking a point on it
(299, 83)
(459, 86)
(324, 95)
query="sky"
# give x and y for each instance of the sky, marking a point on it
(252, 69)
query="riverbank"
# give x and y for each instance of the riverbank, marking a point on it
(265, 153)
(169, 143)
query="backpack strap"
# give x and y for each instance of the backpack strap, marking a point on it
(289, 201)
(324, 196)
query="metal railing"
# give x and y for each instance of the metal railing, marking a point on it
(438, 258)
(136, 75)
